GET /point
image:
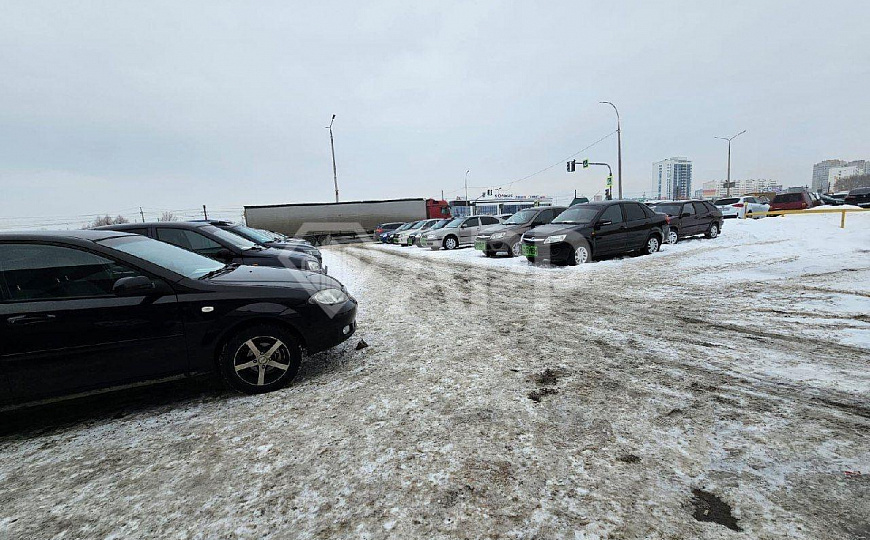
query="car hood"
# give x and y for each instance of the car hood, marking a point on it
(511, 229)
(442, 232)
(542, 231)
(275, 277)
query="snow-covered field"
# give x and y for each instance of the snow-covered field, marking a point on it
(501, 400)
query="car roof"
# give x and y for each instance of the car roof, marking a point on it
(90, 235)
(165, 224)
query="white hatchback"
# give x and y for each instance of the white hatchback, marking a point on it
(740, 207)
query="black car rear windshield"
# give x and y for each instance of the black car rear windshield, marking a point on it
(175, 259)
(578, 214)
(521, 217)
(669, 209)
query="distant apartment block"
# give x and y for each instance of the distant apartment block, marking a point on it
(715, 189)
(853, 168)
(672, 178)
(826, 173)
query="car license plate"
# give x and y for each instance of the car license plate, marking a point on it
(480, 246)
(530, 251)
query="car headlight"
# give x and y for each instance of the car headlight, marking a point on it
(497, 235)
(555, 239)
(329, 297)
(314, 266)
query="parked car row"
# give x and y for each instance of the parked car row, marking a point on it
(87, 311)
(572, 235)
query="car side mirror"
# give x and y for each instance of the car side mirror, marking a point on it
(224, 254)
(464, 226)
(132, 286)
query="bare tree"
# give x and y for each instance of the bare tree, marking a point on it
(852, 182)
(167, 216)
(107, 220)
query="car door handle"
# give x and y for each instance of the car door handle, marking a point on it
(29, 319)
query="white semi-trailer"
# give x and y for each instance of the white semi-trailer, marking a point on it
(321, 222)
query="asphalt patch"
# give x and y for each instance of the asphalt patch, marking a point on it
(540, 393)
(710, 508)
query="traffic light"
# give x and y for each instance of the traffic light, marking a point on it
(572, 165)
(585, 163)
(607, 196)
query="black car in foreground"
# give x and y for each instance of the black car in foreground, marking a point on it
(690, 218)
(90, 310)
(507, 237)
(219, 244)
(592, 230)
(264, 239)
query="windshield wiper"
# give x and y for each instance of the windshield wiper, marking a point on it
(226, 269)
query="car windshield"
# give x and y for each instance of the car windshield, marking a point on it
(174, 259)
(404, 227)
(455, 223)
(669, 209)
(725, 202)
(230, 238)
(252, 234)
(418, 225)
(521, 217)
(578, 214)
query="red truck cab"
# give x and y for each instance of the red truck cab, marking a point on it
(436, 209)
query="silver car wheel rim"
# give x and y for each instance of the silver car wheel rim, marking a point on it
(672, 237)
(652, 245)
(450, 243)
(581, 254)
(515, 249)
(714, 231)
(262, 360)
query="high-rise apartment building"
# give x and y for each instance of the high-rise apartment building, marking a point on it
(672, 178)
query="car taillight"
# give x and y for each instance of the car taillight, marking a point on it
(737, 205)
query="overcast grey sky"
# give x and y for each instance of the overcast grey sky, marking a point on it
(106, 106)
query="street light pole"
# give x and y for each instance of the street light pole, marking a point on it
(618, 147)
(466, 192)
(728, 179)
(332, 145)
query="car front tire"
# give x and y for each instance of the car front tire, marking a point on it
(652, 245)
(581, 254)
(516, 248)
(451, 242)
(260, 359)
(713, 231)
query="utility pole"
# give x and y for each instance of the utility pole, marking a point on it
(618, 147)
(204, 212)
(332, 145)
(728, 183)
(467, 203)
(141, 213)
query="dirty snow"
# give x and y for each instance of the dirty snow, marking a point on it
(736, 366)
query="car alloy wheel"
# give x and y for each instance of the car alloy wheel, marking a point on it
(652, 245)
(262, 360)
(714, 231)
(516, 248)
(673, 237)
(450, 243)
(581, 255)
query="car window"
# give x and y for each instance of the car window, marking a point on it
(633, 212)
(687, 209)
(612, 214)
(163, 254)
(788, 197)
(487, 220)
(188, 240)
(709, 206)
(143, 231)
(648, 211)
(42, 272)
(472, 222)
(699, 207)
(724, 202)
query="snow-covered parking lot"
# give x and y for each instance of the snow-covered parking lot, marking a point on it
(717, 389)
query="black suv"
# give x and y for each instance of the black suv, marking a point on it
(264, 239)
(219, 244)
(597, 229)
(859, 197)
(507, 236)
(88, 310)
(690, 218)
